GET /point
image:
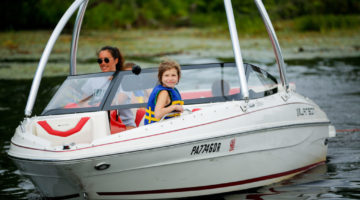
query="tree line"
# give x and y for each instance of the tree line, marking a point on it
(129, 14)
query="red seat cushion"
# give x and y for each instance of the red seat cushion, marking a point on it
(116, 125)
(139, 115)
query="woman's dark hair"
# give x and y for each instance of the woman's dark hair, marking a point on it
(115, 54)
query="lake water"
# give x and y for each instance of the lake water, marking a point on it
(334, 84)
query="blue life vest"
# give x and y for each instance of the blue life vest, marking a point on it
(139, 96)
(175, 99)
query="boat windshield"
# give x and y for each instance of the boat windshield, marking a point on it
(86, 91)
(198, 84)
(210, 82)
(260, 82)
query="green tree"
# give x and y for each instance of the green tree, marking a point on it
(110, 14)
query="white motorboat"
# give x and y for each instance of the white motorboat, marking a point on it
(240, 129)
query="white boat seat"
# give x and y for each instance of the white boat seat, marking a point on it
(75, 128)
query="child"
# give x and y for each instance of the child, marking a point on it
(165, 98)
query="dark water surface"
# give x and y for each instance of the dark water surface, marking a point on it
(334, 84)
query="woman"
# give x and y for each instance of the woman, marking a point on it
(111, 59)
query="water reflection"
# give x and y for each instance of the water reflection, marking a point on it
(288, 189)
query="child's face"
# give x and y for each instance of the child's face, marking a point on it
(170, 78)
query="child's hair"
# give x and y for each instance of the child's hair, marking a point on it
(128, 66)
(115, 54)
(168, 64)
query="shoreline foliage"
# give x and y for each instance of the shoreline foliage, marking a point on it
(305, 15)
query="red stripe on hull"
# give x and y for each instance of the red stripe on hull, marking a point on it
(207, 187)
(62, 197)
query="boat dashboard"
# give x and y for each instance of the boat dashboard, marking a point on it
(200, 83)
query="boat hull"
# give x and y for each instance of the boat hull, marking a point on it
(219, 148)
(210, 166)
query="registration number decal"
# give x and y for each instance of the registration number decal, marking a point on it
(206, 148)
(305, 111)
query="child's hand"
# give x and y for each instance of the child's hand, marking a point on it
(178, 108)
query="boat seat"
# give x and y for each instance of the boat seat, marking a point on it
(220, 88)
(116, 124)
(140, 113)
(65, 131)
(74, 128)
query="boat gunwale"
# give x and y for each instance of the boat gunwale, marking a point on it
(174, 145)
(172, 131)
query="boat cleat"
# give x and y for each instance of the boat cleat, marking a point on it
(286, 96)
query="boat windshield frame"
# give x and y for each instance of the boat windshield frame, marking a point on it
(117, 77)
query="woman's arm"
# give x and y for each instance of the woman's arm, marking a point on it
(163, 99)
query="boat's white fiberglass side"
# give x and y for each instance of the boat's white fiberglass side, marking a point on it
(198, 153)
(244, 140)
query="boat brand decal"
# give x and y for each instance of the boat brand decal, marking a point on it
(232, 145)
(305, 111)
(206, 148)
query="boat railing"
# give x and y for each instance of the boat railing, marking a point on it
(236, 48)
(49, 46)
(75, 37)
(275, 43)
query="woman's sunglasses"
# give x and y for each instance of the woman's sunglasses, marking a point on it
(106, 60)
